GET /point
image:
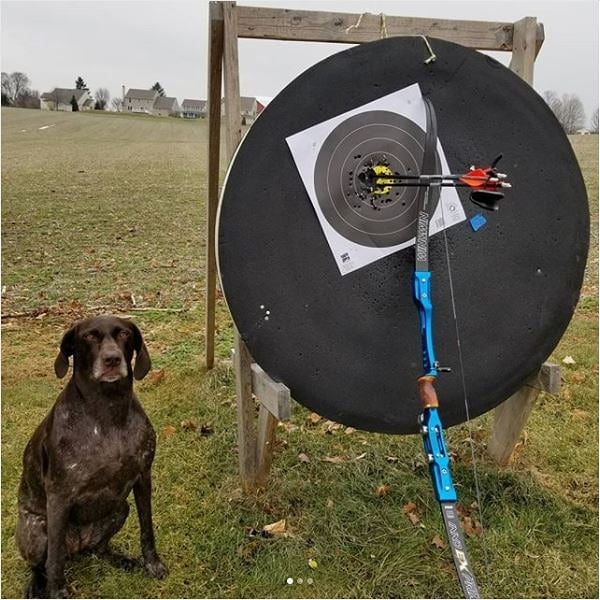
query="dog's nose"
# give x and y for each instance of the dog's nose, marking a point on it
(112, 360)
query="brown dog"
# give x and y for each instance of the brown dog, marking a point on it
(95, 446)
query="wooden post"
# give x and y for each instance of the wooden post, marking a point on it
(247, 438)
(215, 61)
(525, 48)
(511, 416)
(255, 444)
(233, 112)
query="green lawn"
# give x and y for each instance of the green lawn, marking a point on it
(106, 213)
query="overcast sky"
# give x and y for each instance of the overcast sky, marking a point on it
(137, 42)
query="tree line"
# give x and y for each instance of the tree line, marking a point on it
(567, 108)
(569, 111)
(16, 91)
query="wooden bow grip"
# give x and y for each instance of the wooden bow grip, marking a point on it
(427, 393)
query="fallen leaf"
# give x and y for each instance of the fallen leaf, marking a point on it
(169, 430)
(360, 456)
(288, 426)
(568, 360)
(329, 503)
(303, 458)
(157, 376)
(312, 563)
(438, 542)
(382, 490)
(578, 377)
(336, 460)
(471, 526)
(314, 418)
(410, 510)
(188, 425)
(276, 529)
(349, 430)
(331, 426)
(579, 414)
(414, 518)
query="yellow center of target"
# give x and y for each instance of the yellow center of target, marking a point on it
(381, 188)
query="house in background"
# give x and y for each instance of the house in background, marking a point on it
(60, 99)
(139, 101)
(261, 103)
(165, 106)
(149, 102)
(250, 107)
(193, 109)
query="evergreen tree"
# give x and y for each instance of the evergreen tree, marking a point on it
(80, 84)
(158, 88)
(74, 104)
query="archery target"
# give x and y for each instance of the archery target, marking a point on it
(349, 347)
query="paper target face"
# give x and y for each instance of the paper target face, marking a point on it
(382, 140)
(343, 162)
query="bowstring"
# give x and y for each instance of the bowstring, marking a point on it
(464, 388)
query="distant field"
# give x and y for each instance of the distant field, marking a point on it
(106, 212)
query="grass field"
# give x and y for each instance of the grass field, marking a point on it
(106, 213)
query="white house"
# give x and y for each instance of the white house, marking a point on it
(165, 106)
(193, 109)
(61, 99)
(139, 101)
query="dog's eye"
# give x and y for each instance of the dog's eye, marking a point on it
(123, 334)
(90, 337)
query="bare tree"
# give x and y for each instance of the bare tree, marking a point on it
(6, 85)
(14, 85)
(568, 109)
(20, 83)
(116, 104)
(594, 122)
(102, 97)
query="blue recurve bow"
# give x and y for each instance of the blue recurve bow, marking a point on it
(485, 184)
(431, 425)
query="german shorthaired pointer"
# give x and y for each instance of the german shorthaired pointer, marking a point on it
(95, 445)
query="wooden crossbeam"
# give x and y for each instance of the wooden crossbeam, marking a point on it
(357, 28)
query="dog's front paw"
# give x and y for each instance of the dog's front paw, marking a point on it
(59, 593)
(155, 568)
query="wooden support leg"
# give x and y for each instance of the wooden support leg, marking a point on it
(255, 446)
(215, 59)
(511, 416)
(266, 439)
(247, 438)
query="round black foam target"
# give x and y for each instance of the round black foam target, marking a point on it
(360, 142)
(348, 346)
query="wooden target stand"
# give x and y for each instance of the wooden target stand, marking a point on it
(227, 23)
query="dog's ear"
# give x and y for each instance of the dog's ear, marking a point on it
(142, 358)
(67, 347)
